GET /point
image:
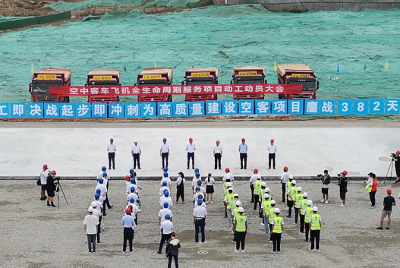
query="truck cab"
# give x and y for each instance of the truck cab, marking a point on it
(298, 74)
(46, 78)
(248, 75)
(103, 77)
(155, 77)
(201, 76)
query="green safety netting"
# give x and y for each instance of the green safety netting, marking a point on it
(65, 6)
(363, 44)
(4, 19)
(170, 3)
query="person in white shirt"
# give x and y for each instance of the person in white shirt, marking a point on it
(284, 180)
(190, 148)
(209, 182)
(196, 177)
(111, 149)
(180, 187)
(100, 175)
(97, 213)
(164, 211)
(217, 152)
(228, 177)
(196, 196)
(202, 189)
(134, 209)
(252, 180)
(91, 223)
(164, 153)
(132, 183)
(272, 150)
(166, 179)
(43, 182)
(136, 153)
(166, 198)
(98, 202)
(243, 154)
(106, 179)
(133, 195)
(199, 220)
(103, 193)
(164, 186)
(166, 229)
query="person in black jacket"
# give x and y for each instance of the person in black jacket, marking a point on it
(343, 187)
(173, 246)
(326, 180)
(51, 188)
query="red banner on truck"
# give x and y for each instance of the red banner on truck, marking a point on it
(175, 90)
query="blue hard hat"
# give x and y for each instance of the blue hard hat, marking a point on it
(104, 168)
(101, 181)
(132, 180)
(199, 182)
(164, 183)
(165, 169)
(98, 191)
(131, 170)
(111, 139)
(164, 140)
(200, 196)
(200, 201)
(197, 188)
(132, 189)
(166, 193)
(196, 170)
(96, 196)
(104, 174)
(197, 175)
(165, 174)
(167, 216)
(166, 204)
(132, 200)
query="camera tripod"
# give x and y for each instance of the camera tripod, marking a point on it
(391, 172)
(58, 188)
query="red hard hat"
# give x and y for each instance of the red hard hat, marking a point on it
(190, 139)
(243, 139)
(127, 178)
(227, 170)
(398, 152)
(272, 140)
(285, 168)
(217, 141)
(54, 172)
(44, 166)
(255, 170)
(389, 191)
(128, 211)
(344, 172)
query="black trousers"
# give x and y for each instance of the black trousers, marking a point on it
(283, 191)
(314, 234)
(190, 155)
(107, 202)
(164, 158)
(91, 241)
(136, 161)
(270, 233)
(307, 225)
(128, 235)
(271, 158)
(240, 238)
(175, 260)
(180, 192)
(302, 223)
(199, 227)
(164, 238)
(296, 214)
(252, 190)
(104, 208)
(99, 232)
(276, 241)
(217, 158)
(256, 201)
(111, 159)
(372, 198)
(290, 205)
(243, 160)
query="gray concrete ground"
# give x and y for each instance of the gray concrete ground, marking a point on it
(33, 235)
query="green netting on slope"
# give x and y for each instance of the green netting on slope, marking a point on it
(3, 19)
(170, 3)
(230, 36)
(64, 6)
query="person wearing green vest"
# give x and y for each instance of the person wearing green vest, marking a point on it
(256, 192)
(288, 185)
(229, 198)
(303, 212)
(226, 186)
(277, 228)
(309, 212)
(292, 190)
(235, 207)
(298, 197)
(240, 230)
(266, 206)
(271, 217)
(235, 213)
(315, 229)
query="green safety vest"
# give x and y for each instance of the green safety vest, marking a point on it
(299, 198)
(368, 187)
(309, 212)
(241, 223)
(231, 198)
(271, 215)
(277, 225)
(267, 207)
(289, 185)
(315, 222)
(293, 192)
(235, 212)
(257, 187)
(304, 206)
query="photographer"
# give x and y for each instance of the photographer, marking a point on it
(396, 159)
(343, 187)
(326, 180)
(51, 188)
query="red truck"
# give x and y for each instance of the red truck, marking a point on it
(201, 76)
(49, 77)
(103, 77)
(248, 75)
(298, 74)
(155, 77)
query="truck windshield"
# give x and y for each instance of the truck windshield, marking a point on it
(200, 81)
(249, 81)
(307, 85)
(40, 88)
(102, 82)
(156, 82)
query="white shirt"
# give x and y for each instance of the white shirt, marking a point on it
(163, 212)
(100, 176)
(164, 199)
(179, 180)
(97, 212)
(200, 212)
(253, 178)
(91, 221)
(228, 175)
(161, 192)
(194, 182)
(104, 182)
(111, 148)
(99, 204)
(285, 177)
(167, 180)
(102, 188)
(165, 148)
(217, 149)
(272, 148)
(43, 177)
(132, 195)
(191, 147)
(134, 210)
(167, 227)
(243, 148)
(209, 181)
(129, 186)
(136, 149)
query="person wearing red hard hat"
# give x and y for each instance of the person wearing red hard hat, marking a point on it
(217, 152)
(128, 222)
(272, 150)
(388, 203)
(43, 182)
(252, 180)
(284, 180)
(396, 159)
(51, 188)
(243, 148)
(190, 148)
(343, 187)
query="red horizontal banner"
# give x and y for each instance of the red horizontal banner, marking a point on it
(175, 90)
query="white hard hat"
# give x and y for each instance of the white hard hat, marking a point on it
(229, 184)
(90, 209)
(299, 189)
(309, 203)
(266, 190)
(277, 211)
(315, 209)
(258, 177)
(305, 194)
(241, 209)
(290, 176)
(293, 181)
(93, 204)
(230, 189)
(273, 202)
(238, 203)
(266, 196)
(264, 184)
(236, 195)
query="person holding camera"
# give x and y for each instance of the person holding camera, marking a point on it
(51, 188)
(396, 159)
(326, 180)
(343, 187)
